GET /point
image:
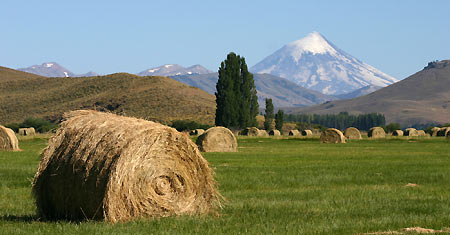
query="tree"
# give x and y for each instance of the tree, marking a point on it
(391, 127)
(279, 119)
(268, 116)
(237, 103)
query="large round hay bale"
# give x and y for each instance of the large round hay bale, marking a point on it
(376, 132)
(397, 133)
(443, 131)
(332, 135)
(197, 132)
(421, 133)
(217, 139)
(104, 166)
(8, 139)
(275, 133)
(435, 130)
(307, 133)
(263, 133)
(410, 132)
(352, 133)
(250, 131)
(294, 133)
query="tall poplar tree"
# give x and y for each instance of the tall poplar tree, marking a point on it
(279, 120)
(236, 94)
(268, 117)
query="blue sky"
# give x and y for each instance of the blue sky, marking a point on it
(397, 37)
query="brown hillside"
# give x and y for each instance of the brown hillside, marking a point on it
(24, 95)
(419, 99)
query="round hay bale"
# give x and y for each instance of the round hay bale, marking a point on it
(8, 139)
(443, 131)
(217, 139)
(376, 132)
(27, 131)
(197, 132)
(332, 135)
(352, 133)
(448, 135)
(250, 131)
(294, 133)
(434, 131)
(397, 133)
(421, 133)
(263, 133)
(410, 132)
(307, 133)
(275, 133)
(104, 166)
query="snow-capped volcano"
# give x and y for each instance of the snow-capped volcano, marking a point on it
(174, 70)
(315, 63)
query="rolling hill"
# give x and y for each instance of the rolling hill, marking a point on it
(24, 95)
(422, 98)
(282, 92)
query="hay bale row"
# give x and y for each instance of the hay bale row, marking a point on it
(217, 139)
(332, 135)
(397, 133)
(274, 133)
(307, 133)
(352, 133)
(443, 131)
(27, 131)
(8, 140)
(376, 132)
(104, 166)
(196, 132)
(294, 133)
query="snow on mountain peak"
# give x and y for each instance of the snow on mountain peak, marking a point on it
(48, 65)
(313, 43)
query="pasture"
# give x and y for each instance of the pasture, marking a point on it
(277, 186)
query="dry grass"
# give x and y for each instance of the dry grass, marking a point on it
(217, 139)
(8, 139)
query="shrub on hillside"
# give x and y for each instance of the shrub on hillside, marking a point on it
(187, 125)
(39, 124)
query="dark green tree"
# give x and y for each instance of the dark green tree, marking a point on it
(279, 119)
(393, 126)
(237, 103)
(268, 117)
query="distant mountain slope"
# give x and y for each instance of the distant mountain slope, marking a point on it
(174, 70)
(360, 92)
(53, 69)
(419, 99)
(315, 63)
(24, 95)
(283, 92)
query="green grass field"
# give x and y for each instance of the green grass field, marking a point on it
(277, 186)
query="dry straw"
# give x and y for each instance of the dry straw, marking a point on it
(443, 131)
(217, 139)
(410, 132)
(197, 132)
(307, 133)
(294, 133)
(376, 132)
(263, 133)
(103, 166)
(434, 131)
(397, 133)
(8, 140)
(421, 133)
(275, 133)
(251, 131)
(332, 135)
(352, 133)
(27, 131)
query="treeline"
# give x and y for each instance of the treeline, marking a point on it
(339, 121)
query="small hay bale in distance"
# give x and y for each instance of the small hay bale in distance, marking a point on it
(421, 133)
(410, 132)
(27, 131)
(103, 166)
(274, 133)
(8, 140)
(448, 135)
(197, 132)
(376, 132)
(294, 133)
(352, 133)
(250, 131)
(217, 139)
(332, 135)
(443, 131)
(435, 130)
(307, 133)
(263, 133)
(397, 133)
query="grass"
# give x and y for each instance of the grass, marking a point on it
(277, 186)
